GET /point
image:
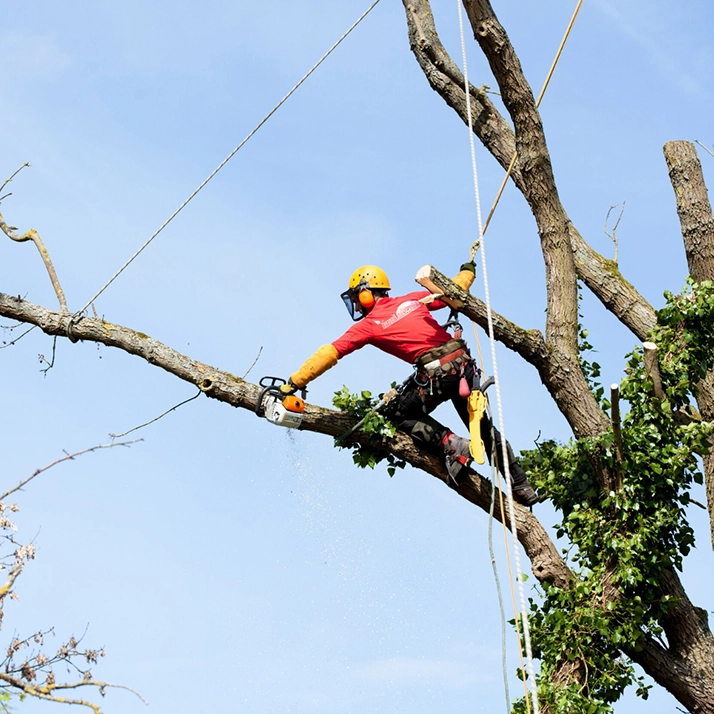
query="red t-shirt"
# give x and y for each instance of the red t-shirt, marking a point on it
(400, 326)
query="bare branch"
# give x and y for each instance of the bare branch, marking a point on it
(532, 171)
(612, 235)
(8, 180)
(68, 457)
(11, 578)
(17, 339)
(161, 416)
(255, 361)
(706, 148)
(34, 236)
(45, 691)
(51, 363)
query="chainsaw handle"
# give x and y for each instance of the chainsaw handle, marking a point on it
(272, 384)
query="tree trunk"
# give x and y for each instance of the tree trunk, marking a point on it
(686, 667)
(697, 222)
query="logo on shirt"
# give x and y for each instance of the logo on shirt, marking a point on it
(403, 310)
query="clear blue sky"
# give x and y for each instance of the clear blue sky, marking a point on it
(227, 565)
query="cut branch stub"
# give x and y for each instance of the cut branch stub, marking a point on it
(617, 431)
(423, 277)
(652, 367)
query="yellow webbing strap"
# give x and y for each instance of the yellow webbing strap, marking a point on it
(477, 406)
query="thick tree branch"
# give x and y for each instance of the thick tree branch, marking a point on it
(686, 667)
(447, 80)
(598, 273)
(559, 372)
(603, 277)
(539, 183)
(693, 207)
(697, 222)
(225, 387)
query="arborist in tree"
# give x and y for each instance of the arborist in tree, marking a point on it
(443, 369)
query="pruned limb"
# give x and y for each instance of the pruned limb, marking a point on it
(225, 387)
(34, 236)
(652, 367)
(693, 207)
(617, 431)
(529, 344)
(560, 372)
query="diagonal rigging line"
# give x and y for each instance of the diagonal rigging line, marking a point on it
(228, 158)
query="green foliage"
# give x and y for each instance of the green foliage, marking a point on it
(623, 541)
(376, 425)
(591, 370)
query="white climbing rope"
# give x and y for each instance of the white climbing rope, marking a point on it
(227, 159)
(492, 341)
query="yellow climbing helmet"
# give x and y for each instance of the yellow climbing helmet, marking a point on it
(359, 298)
(372, 276)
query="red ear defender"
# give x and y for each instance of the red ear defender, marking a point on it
(366, 299)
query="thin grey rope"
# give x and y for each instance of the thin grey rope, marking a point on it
(494, 477)
(228, 158)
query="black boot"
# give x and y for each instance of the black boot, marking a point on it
(458, 456)
(454, 445)
(457, 468)
(521, 488)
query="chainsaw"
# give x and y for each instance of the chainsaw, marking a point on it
(277, 408)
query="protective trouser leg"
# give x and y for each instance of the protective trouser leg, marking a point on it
(411, 414)
(522, 490)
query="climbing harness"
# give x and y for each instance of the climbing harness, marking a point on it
(79, 312)
(278, 408)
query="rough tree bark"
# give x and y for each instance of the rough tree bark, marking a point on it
(686, 670)
(695, 216)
